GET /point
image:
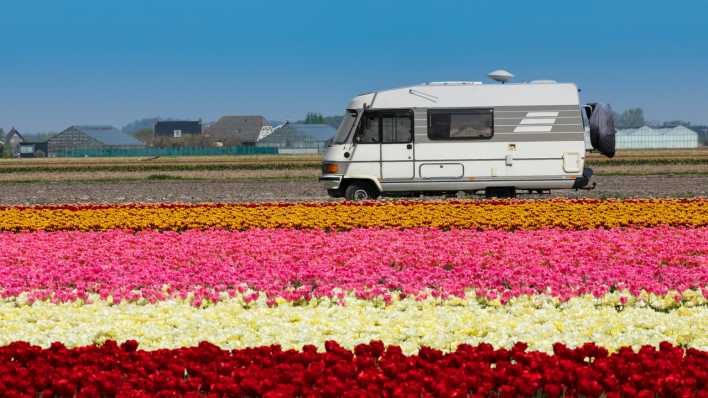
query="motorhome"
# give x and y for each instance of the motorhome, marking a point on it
(445, 137)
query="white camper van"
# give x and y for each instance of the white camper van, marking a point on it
(460, 136)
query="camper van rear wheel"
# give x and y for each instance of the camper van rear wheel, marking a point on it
(360, 190)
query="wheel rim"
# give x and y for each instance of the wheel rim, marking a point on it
(361, 194)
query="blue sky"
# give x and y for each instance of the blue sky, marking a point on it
(111, 62)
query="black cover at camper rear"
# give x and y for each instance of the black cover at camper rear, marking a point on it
(583, 181)
(602, 129)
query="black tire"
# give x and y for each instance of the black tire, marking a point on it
(361, 190)
(335, 193)
(500, 192)
(602, 129)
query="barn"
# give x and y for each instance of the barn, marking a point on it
(237, 130)
(177, 128)
(29, 149)
(79, 138)
(13, 139)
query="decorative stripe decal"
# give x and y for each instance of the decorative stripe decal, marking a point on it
(542, 114)
(537, 121)
(532, 129)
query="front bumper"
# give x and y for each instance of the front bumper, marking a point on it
(331, 181)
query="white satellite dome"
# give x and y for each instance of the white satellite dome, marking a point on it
(500, 75)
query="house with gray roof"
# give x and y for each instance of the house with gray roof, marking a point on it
(237, 130)
(77, 138)
(13, 139)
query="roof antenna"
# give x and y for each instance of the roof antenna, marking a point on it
(500, 75)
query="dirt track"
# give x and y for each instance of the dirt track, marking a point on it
(274, 190)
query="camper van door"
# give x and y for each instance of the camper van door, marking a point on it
(366, 156)
(397, 153)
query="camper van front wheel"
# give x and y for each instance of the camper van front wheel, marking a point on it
(360, 190)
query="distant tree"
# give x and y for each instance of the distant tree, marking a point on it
(632, 118)
(144, 135)
(314, 118)
(676, 123)
(333, 121)
(7, 151)
(140, 124)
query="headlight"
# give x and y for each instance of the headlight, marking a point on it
(330, 168)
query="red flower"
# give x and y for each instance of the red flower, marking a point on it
(373, 370)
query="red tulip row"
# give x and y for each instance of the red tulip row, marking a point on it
(372, 370)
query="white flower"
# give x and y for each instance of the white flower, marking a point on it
(539, 321)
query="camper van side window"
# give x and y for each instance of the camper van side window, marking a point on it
(397, 128)
(460, 124)
(369, 129)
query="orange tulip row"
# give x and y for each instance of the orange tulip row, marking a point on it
(509, 215)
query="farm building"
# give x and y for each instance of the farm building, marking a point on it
(655, 138)
(238, 130)
(299, 137)
(177, 128)
(77, 138)
(13, 139)
(33, 149)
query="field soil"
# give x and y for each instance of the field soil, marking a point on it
(196, 191)
(295, 173)
(115, 176)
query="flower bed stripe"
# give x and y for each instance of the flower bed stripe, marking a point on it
(369, 370)
(442, 324)
(177, 205)
(569, 214)
(371, 263)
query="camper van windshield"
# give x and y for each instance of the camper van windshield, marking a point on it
(345, 127)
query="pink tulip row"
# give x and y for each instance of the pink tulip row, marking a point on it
(296, 264)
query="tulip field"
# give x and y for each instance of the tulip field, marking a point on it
(461, 298)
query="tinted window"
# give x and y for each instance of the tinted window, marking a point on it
(396, 128)
(369, 131)
(460, 124)
(386, 127)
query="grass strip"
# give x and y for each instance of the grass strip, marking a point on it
(641, 162)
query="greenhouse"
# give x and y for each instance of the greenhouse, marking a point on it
(299, 137)
(654, 138)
